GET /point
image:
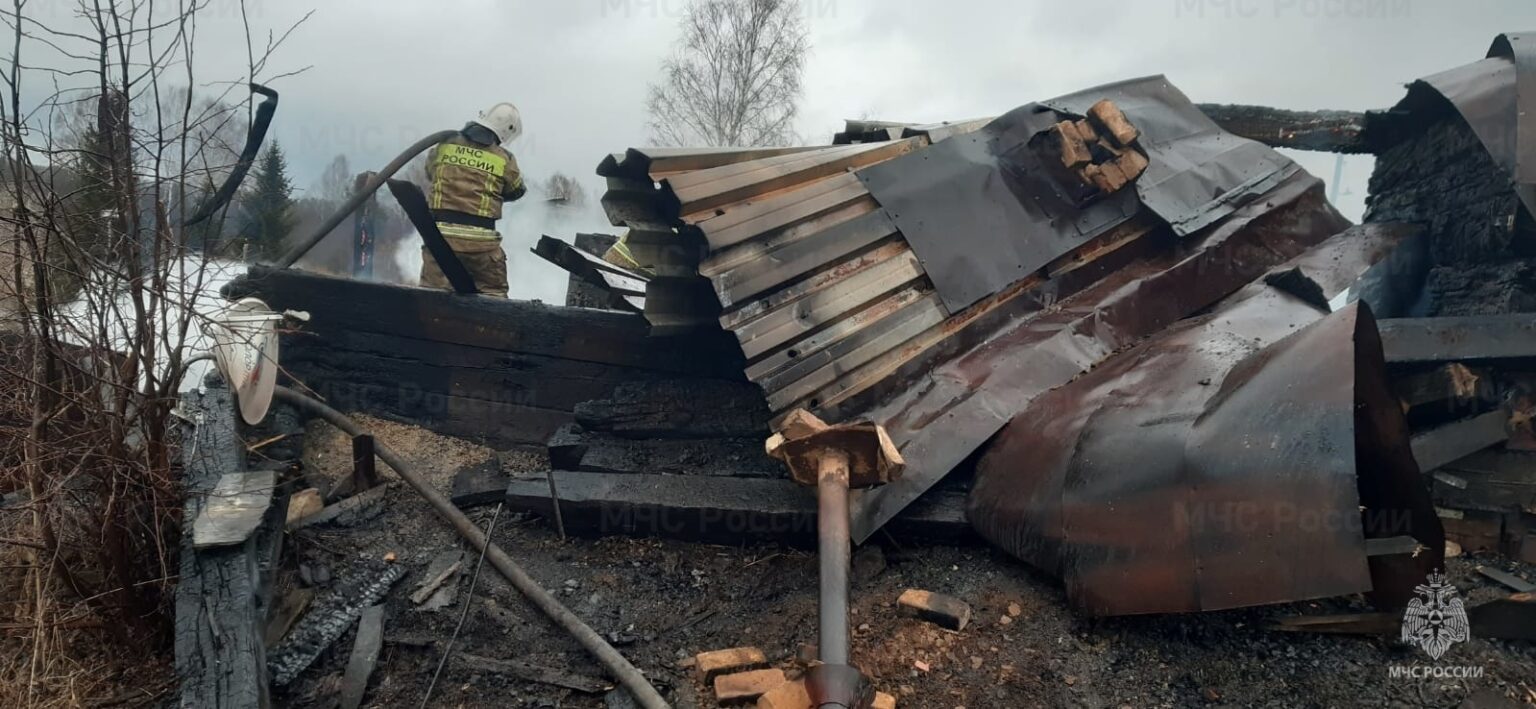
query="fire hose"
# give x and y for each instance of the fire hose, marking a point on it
(357, 199)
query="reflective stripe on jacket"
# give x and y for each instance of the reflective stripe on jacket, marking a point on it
(471, 178)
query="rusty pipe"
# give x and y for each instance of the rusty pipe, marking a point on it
(834, 552)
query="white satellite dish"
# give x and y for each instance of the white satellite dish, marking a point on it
(245, 346)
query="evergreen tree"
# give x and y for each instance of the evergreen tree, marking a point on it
(269, 208)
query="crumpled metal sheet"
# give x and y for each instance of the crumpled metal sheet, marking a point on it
(1497, 98)
(1520, 48)
(942, 407)
(982, 210)
(1236, 459)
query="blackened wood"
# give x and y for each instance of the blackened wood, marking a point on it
(513, 326)
(1465, 338)
(1454, 441)
(414, 203)
(328, 619)
(480, 484)
(364, 473)
(1326, 131)
(715, 509)
(220, 653)
(595, 451)
(679, 408)
(1508, 579)
(529, 672)
(364, 657)
(580, 293)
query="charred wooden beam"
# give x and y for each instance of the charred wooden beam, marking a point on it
(328, 619)
(220, 618)
(679, 408)
(714, 509)
(1325, 131)
(1451, 442)
(572, 448)
(499, 371)
(1463, 338)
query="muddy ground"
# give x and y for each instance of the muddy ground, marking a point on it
(661, 602)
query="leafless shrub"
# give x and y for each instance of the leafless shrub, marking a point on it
(108, 149)
(734, 79)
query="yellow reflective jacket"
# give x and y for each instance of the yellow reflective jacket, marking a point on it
(472, 178)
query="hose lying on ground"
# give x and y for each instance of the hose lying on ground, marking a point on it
(626, 673)
(351, 205)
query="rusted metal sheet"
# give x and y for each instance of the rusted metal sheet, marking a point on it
(813, 271)
(1236, 459)
(944, 401)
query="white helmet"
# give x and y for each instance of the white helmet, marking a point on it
(503, 120)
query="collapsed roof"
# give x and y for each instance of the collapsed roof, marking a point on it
(945, 280)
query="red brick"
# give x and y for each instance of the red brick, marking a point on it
(790, 695)
(736, 659)
(746, 687)
(883, 701)
(937, 608)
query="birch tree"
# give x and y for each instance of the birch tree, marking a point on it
(734, 78)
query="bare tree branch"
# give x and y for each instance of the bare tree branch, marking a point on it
(735, 77)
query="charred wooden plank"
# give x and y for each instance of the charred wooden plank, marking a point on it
(714, 509)
(328, 619)
(747, 312)
(220, 628)
(526, 327)
(678, 408)
(364, 657)
(830, 343)
(591, 451)
(1453, 384)
(1451, 442)
(1464, 338)
(529, 672)
(1326, 131)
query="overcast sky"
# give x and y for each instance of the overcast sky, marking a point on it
(385, 73)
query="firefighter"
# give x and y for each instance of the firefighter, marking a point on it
(620, 255)
(471, 175)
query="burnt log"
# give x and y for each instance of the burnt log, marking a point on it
(1326, 131)
(572, 448)
(328, 619)
(1482, 243)
(223, 592)
(497, 371)
(679, 408)
(715, 509)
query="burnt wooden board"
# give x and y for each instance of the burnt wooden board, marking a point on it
(1463, 338)
(496, 371)
(220, 618)
(528, 327)
(714, 509)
